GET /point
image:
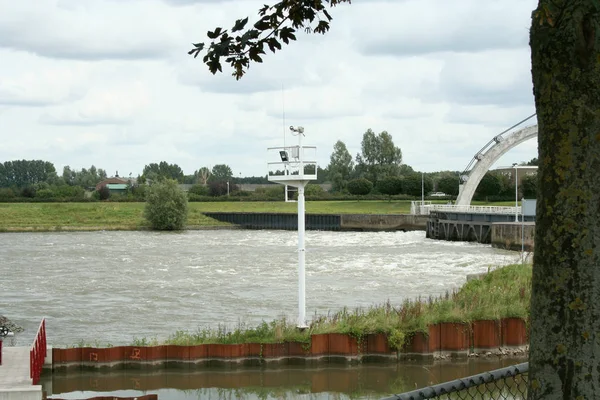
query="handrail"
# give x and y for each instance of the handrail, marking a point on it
(37, 354)
(424, 209)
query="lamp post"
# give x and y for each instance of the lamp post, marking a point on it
(516, 167)
(422, 189)
(227, 188)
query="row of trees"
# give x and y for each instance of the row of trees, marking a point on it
(20, 173)
(378, 159)
(380, 163)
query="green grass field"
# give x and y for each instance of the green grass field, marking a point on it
(15, 217)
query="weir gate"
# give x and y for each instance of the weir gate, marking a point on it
(439, 221)
(470, 223)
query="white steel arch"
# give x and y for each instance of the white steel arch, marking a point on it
(486, 160)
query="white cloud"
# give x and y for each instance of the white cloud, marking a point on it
(115, 105)
(433, 26)
(25, 84)
(90, 30)
(109, 83)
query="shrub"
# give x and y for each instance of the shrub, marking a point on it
(6, 194)
(392, 185)
(139, 192)
(529, 186)
(103, 193)
(219, 188)
(28, 191)
(360, 186)
(276, 192)
(68, 192)
(199, 190)
(44, 194)
(313, 190)
(166, 206)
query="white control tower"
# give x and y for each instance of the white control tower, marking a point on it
(292, 168)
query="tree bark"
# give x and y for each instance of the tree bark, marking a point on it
(565, 308)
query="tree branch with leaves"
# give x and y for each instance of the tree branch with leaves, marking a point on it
(278, 23)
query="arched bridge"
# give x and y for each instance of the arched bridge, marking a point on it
(488, 155)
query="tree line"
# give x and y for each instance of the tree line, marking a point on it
(378, 168)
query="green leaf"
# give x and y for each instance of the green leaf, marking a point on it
(214, 65)
(273, 44)
(286, 34)
(198, 47)
(240, 24)
(262, 24)
(214, 34)
(322, 27)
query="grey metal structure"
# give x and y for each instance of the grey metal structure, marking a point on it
(503, 383)
(488, 155)
(465, 226)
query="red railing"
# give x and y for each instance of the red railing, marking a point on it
(37, 354)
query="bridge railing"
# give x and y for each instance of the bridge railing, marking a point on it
(424, 209)
(37, 354)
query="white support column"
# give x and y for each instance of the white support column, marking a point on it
(301, 260)
(516, 192)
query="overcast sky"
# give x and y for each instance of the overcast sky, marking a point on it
(109, 83)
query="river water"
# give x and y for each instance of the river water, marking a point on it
(372, 381)
(109, 287)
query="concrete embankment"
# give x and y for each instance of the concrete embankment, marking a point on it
(513, 235)
(327, 222)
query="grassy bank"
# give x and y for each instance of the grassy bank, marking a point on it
(15, 217)
(504, 292)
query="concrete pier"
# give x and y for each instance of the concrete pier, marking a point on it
(507, 235)
(15, 383)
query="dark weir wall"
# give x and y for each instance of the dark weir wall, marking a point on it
(325, 222)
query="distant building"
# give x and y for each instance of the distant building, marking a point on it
(111, 181)
(117, 188)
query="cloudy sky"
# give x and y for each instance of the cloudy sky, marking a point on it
(109, 83)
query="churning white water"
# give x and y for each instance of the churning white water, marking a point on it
(109, 287)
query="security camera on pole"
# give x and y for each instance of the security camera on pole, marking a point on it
(294, 164)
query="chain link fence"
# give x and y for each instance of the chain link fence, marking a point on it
(508, 383)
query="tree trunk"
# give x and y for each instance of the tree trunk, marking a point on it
(565, 307)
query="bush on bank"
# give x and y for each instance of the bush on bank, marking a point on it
(166, 206)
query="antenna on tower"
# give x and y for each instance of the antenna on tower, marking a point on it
(283, 112)
(285, 188)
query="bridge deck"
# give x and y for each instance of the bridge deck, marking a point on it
(14, 371)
